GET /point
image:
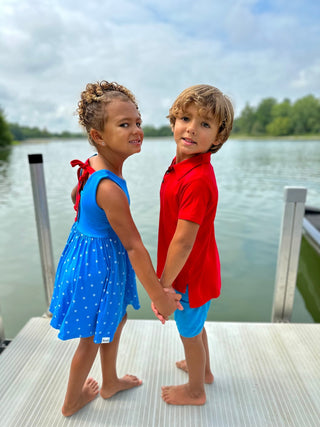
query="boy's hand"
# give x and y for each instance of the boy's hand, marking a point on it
(176, 297)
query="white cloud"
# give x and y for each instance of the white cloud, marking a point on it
(250, 49)
(309, 76)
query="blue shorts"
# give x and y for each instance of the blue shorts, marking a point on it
(190, 321)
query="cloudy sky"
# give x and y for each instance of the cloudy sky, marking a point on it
(250, 49)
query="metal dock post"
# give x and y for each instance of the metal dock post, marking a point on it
(1, 334)
(3, 341)
(42, 220)
(288, 253)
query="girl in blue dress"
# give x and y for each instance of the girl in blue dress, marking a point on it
(95, 278)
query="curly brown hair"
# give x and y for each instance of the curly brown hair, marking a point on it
(91, 107)
(212, 103)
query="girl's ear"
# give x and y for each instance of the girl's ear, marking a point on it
(97, 138)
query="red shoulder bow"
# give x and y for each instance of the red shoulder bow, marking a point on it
(83, 174)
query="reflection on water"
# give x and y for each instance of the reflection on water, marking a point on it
(4, 156)
(251, 176)
(308, 280)
(4, 166)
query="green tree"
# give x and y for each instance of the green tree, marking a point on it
(281, 123)
(306, 115)
(5, 134)
(151, 131)
(283, 109)
(165, 131)
(263, 115)
(16, 131)
(280, 126)
(245, 122)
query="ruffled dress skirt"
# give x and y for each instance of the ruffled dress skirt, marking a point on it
(92, 302)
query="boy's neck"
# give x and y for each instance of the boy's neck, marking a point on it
(182, 158)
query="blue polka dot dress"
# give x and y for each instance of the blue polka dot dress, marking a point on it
(94, 281)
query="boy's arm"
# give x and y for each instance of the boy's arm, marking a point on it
(179, 250)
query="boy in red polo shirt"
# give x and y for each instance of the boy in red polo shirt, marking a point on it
(201, 119)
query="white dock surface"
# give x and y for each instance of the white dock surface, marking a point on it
(265, 375)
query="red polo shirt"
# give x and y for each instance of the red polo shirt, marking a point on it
(189, 191)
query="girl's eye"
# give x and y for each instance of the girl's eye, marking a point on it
(139, 124)
(124, 125)
(205, 125)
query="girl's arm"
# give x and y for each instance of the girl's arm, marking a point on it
(114, 202)
(74, 194)
(179, 250)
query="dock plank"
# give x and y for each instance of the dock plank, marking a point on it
(265, 375)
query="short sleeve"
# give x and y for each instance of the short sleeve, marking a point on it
(195, 198)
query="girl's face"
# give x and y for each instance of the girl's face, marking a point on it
(122, 130)
(194, 134)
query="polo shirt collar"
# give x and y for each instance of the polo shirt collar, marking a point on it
(184, 167)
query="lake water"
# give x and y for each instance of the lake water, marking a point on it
(251, 176)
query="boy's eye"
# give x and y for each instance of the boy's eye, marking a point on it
(184, 118)
(124, 125)
(139, 124)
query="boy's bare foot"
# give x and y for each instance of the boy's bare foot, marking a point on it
(182, 364)
(181, 395)
(208, 377)
(90, 390)
(124, 383)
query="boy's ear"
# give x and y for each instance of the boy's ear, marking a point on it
(216, 145)
(97, 138)
(216, 142)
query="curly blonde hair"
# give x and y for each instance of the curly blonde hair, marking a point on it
(94, 99)
(211, 103)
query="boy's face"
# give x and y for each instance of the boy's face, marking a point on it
(194, 134)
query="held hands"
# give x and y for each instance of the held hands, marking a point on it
(157, 314)
(174, 301)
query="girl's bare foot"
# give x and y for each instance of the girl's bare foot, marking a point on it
(208, 377)
(182, 395)
(90, 390)
(124, 383)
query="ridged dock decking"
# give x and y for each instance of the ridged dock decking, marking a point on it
(265, 375)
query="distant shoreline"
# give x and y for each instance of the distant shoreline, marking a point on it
(286, 137)
(235, 137)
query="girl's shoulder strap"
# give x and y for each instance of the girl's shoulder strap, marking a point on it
(106, 174)
(82, 166)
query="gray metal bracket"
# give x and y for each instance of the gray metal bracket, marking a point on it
(288, 253)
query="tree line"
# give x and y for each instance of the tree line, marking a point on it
(5, 134)
(20, 133)
(269, 118)
(272, 118)
(10, 132)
